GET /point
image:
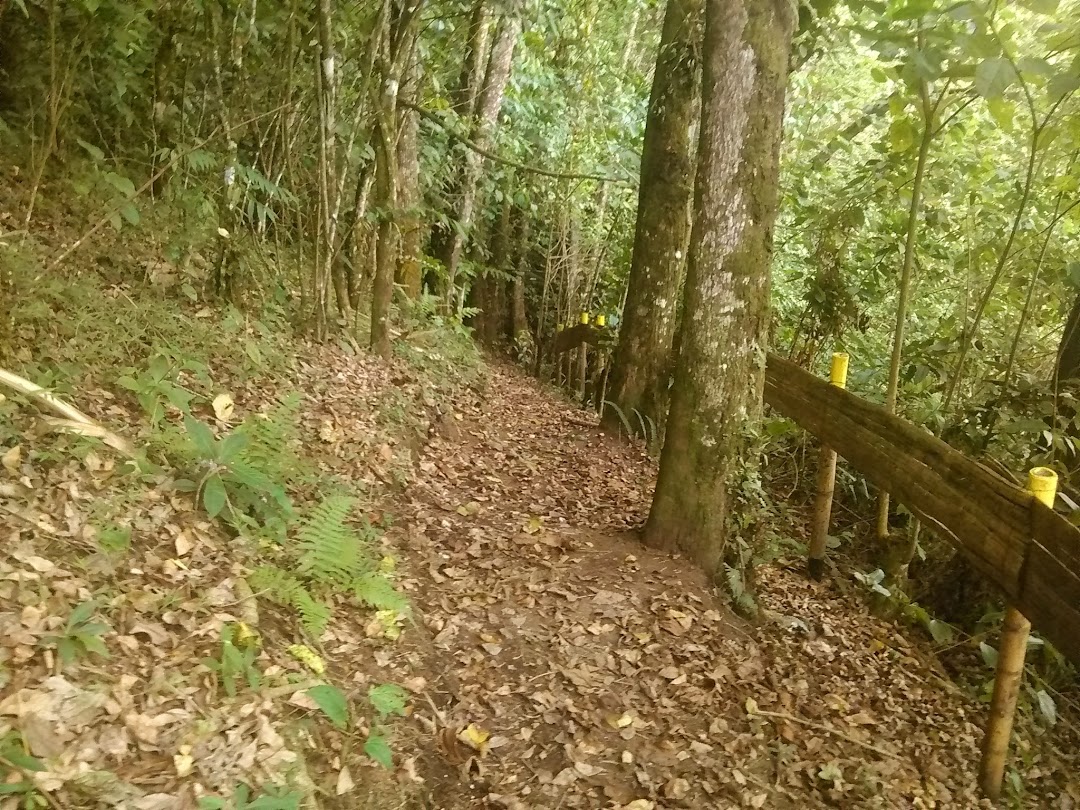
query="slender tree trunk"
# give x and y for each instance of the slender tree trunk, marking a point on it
(910, 240)
(639, 372)
(386, 247)
(396, 50)
(720, 371)
(519, 323)
(463, 100)
(449, 241)
(408, 156)
(327, 84)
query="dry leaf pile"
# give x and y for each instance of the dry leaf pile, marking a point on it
(609, 676)
(551, 661)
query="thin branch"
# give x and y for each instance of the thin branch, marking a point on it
(430, 116)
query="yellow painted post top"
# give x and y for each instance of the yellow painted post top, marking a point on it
(601, 320)
(1042, 483)
(584, 317)
(838, 370)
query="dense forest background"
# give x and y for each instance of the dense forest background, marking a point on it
(378, 176)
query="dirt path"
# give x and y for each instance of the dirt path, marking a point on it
(609, 676)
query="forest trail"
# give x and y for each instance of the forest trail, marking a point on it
(608, 676)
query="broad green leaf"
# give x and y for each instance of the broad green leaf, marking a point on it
(1041, 6)
(901, 135)
(989, 654)
(1002, 110)
(22, 786)
(202, 436)
(287, 801)
(26, 762)
(333, 703)
(82, 613)
(92, 150)
(214, 496)
(231, 446)
(120, 183)
(93, 644)
(1061, 84)
(290, 801)
(942, 632)
(378, 749)
(388, 698)
(993, 77)
(1047, 707)
(912, 9)
(130, 213)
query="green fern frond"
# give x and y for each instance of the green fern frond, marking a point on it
(284, 589)
(330, 551)
(377, 591)
(273, 437)
(314, 613)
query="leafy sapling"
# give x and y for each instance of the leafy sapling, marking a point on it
(80, 636)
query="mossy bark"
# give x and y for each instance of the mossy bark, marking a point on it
(720, 370)
(642, 363)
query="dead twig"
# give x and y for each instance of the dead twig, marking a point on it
(827, 729)
(73, 421)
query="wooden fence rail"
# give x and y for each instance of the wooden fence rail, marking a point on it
(1025, 548)
(1031, 553)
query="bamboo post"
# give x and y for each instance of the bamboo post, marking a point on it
(1042, 483)
(583, 358)
(826, 483)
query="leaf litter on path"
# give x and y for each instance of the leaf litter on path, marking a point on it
(610, 676)
(550, 662)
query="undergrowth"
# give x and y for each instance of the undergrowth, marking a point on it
(168, 351)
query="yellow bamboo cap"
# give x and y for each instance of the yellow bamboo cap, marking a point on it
(1042, 483)
(601, 320)
(838, 370)
(584, 317)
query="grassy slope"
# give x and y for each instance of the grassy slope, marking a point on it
(127, 336)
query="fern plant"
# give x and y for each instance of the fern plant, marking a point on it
(329, 557)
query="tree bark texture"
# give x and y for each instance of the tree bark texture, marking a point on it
(396, 48)
(1068, 356)
(463, 100)
(642, 364)
(720, 371)
(449, 242)
(408, 158)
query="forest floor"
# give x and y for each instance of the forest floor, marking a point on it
(550, 661)
(610, 676)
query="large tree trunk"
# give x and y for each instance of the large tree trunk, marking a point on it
(448, 242)
(1068, 356)
(720, 371)
(642, 362)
